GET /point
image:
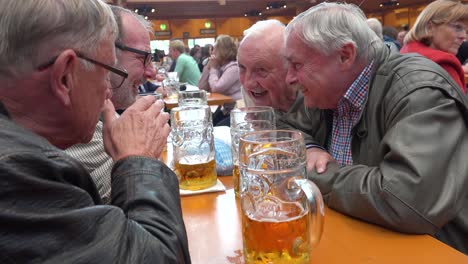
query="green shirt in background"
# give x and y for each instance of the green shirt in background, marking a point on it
(187, 70)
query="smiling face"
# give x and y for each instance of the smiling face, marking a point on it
(448, 36)
(262, 70)
(135, 36)
(322, 79)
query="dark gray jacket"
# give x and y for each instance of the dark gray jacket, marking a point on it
(409, 149)
(50, 210)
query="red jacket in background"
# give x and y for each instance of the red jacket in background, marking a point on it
(446, 60)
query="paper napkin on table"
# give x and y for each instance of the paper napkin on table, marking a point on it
(218, 187)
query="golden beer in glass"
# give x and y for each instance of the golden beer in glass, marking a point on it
(236, 178)
(278, 241)
(196, 176)
(193, 145)
(282, 211)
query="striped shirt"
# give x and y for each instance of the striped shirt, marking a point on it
(346, 116)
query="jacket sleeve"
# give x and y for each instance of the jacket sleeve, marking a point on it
(203, 82)
(222, 83)
(55, 216)
(421, 182)
(148, 192)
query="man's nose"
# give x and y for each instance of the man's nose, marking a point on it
(108, 93)
(150, 72)
(291, 78)
(249, 81)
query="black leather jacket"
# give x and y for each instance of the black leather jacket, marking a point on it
(50, 210)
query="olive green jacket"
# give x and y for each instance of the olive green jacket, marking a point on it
(409, 149)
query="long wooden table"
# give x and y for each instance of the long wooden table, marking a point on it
(213, 226)
(213, 99)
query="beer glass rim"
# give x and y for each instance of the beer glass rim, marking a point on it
(190, 107)
(193, 91)
(250, 137)
(252, 109)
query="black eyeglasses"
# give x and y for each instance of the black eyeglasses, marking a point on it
(148, 55)
(117, 75)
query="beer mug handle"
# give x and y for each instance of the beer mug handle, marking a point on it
(316, 210)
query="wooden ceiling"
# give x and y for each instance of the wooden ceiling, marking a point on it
(186, 9)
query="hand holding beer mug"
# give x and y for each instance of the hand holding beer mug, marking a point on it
(193, 144)
(282, 211)
(247, 119)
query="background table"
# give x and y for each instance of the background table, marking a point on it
(213, 226)
(213, 99)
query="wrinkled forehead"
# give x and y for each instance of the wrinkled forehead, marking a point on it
(250, 54)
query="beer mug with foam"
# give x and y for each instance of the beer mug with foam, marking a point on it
(244, 120)
(282, 211)
(193, 145)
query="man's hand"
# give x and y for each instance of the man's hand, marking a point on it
(318, 159)
(142, 129)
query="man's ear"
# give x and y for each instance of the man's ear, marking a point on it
(62, 76)
(347, 56)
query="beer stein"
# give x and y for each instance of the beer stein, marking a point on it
(282, 211)
(193, 145)
(193, 98)
(244, 120)
(158, 96)
(171, 85)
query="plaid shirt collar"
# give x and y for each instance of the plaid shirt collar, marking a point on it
(356, 94)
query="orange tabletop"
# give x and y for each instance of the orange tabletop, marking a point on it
(213, 99)
(213, 223)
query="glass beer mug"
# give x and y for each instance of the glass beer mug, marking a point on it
(244, 120)
(193, 144)
(197, 97)
(282, 211)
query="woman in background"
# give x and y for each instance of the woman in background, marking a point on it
(439, 31)
(221, 75)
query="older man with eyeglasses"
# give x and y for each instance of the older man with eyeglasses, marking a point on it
(133, 55)
(56, 70)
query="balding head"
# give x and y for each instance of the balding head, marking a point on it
(263, 67)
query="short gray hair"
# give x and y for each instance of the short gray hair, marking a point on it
(326, 27)
(376, 26)
(260, 27)
(271, 33)
(118, 11)
(33, 31)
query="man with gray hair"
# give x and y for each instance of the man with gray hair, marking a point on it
(395, 124)
(51, 210)
(133, 54)
(263, 69)
(376, 26)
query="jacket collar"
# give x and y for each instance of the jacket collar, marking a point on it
(3, 110)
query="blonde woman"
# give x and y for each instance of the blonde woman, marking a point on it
(439, 31)
(221, 75)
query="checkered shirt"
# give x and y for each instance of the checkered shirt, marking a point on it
(346, 116)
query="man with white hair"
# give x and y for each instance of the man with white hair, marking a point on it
(395, 124)
(55, 79)
(376, 26)
(263, 69)
(133, 54)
